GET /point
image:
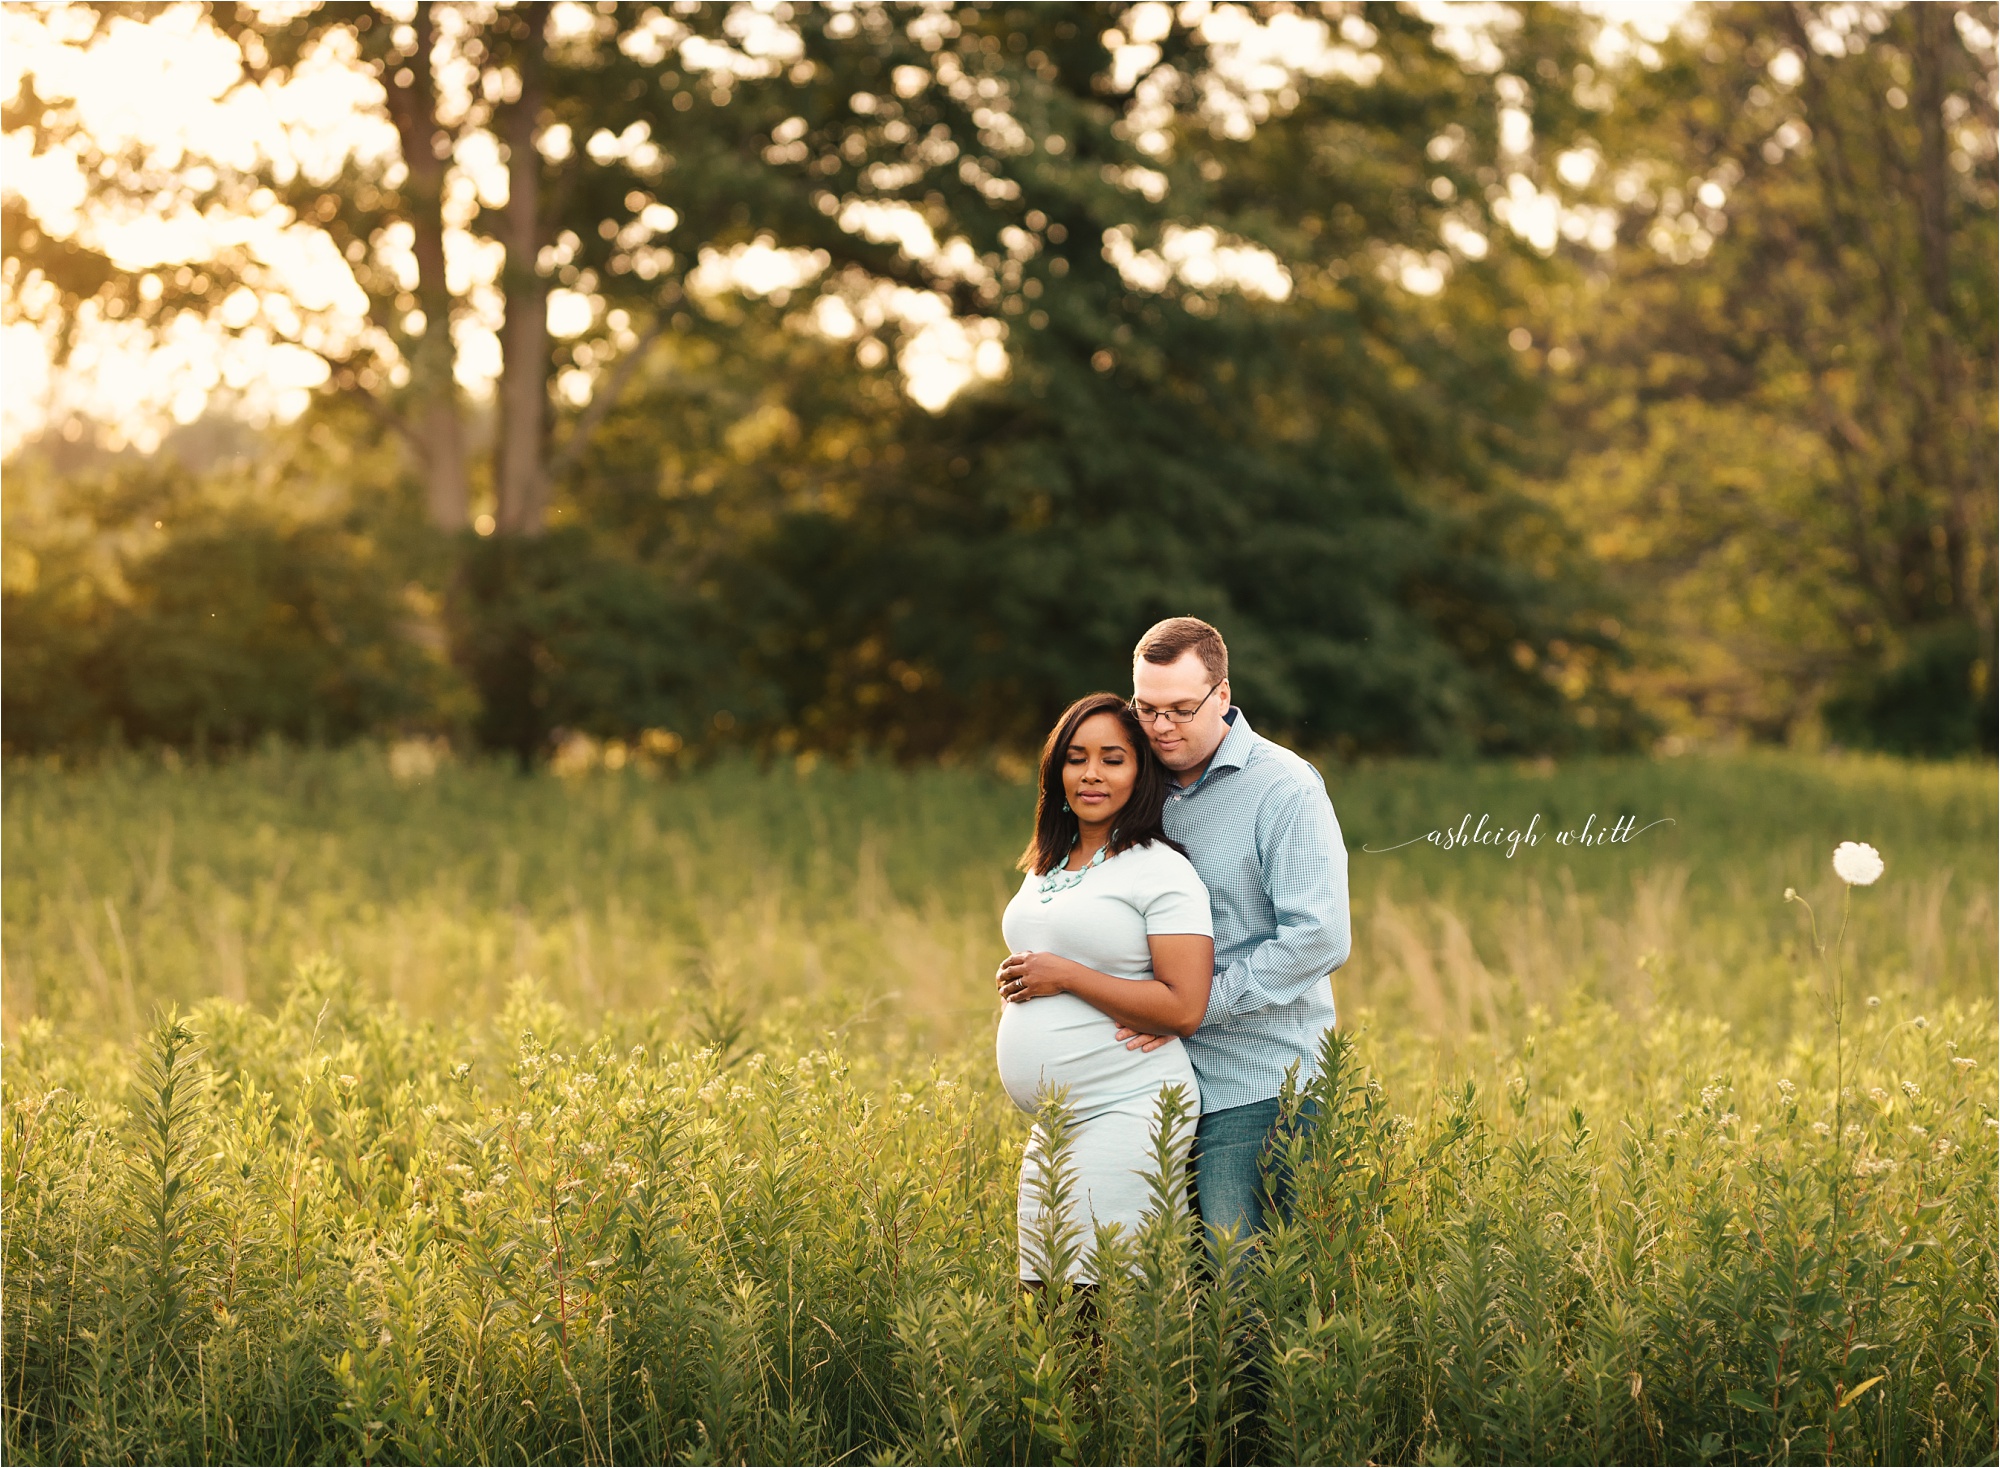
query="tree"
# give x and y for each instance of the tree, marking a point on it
(1255, 330)
(1786, 393)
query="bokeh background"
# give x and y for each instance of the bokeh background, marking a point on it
(632, 381)
(540, 541)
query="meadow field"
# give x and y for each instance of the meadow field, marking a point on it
(643, 1114)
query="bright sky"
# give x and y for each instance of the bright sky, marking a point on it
(168, 88)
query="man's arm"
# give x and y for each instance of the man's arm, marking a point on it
(1304, 865)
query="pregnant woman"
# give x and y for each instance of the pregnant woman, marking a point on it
(1111, 927)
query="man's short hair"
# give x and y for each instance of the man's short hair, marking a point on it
(1164, 643)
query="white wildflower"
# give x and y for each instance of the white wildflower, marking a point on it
(1911, 1089)
(1857, 863)
(1787, 1090)
(1877, 1095)
(1728, 1118)
(472, 1197)
(1919, 1131)
(1993, 1123)
(1822, 1128)
(1791, 895)
(1944, 1146)
(1964, 1062)
(349, 1083)
(1920, 1023)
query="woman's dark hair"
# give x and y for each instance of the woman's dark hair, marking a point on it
(1138, 824)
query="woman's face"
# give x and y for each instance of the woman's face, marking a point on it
(1100, 769)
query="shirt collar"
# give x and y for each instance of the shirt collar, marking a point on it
(1232, 752)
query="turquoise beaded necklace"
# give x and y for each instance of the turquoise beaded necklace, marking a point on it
(1061, 879)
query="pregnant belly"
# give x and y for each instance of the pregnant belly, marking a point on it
(1061, 1041)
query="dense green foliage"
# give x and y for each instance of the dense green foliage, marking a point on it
(244, 620)
(1782, 388)
(1714, 455)
(333, 1234)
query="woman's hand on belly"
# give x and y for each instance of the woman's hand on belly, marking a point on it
(1173, 1001)
(1034, 975)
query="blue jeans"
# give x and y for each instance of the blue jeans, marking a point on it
(1229, 1148)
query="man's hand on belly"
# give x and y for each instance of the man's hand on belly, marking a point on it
(1140, 1040)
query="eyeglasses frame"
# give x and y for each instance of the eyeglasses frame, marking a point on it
(1146, 720)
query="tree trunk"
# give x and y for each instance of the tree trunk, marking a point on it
(434, 409)
(524, 376)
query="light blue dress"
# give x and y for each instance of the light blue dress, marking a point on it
(1103, 922)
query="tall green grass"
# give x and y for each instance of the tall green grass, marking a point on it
(876, 893)
(681, 1141)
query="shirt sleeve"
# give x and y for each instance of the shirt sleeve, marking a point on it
(1304, 862)
(1179, 901)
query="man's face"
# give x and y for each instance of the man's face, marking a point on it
(1181, 684)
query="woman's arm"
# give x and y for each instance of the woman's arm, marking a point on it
(1172, 1002)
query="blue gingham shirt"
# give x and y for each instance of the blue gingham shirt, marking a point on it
(1261, 833)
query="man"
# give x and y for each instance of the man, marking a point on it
(1257, 823)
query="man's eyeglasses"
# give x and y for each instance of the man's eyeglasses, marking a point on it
(1148, 714)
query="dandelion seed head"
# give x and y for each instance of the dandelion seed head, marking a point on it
(1920, 1023)
(1857, 863)
(1874, 1001)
